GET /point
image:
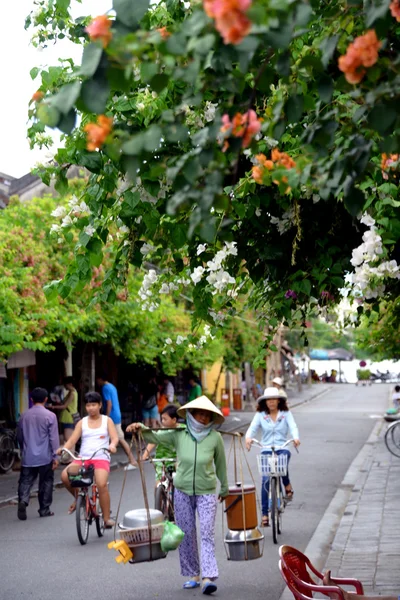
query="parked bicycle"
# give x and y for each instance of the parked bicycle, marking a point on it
(8, 449)
(275, 467)
(164, 494)
(88, 507)
(392, 438)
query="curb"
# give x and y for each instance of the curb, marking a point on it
(319, 546)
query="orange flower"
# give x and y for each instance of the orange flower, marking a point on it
(387, 162)
(395, 9)
(230, 19)
(363, 52)
(98, 132)
(257, 173)
(37, 96)
(99, 29)
(163, 31)
(245, 125)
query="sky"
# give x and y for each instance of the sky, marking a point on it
(18, 57)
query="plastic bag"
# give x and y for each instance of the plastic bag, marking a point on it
(172, 537)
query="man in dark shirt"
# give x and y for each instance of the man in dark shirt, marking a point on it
(37, 434)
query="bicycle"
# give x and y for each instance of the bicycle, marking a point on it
(88, 507)
(392, 438)
(164, 494)
(275, 467)
(8, 449)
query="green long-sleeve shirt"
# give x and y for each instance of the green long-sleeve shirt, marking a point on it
(198, 464)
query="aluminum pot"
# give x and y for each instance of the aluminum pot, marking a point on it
(138, 518)
(244, 545)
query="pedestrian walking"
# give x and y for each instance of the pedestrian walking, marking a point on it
(169, 389)
(149, 403)
(200, 462)
(111, 409)
(68, 408)
(37, 434)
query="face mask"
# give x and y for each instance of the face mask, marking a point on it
(196, 429)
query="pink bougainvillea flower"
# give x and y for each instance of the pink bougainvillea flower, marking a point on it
(230, 19)
(395, 9)
(99, 29)
(245, 126)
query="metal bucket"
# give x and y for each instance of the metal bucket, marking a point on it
(244, 545)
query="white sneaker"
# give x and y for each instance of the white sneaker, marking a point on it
(130, 467)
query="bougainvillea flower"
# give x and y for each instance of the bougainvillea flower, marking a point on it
(37, 96)
(278, 159)
(290, 294)
(99, 29)
(387, 162)
(163, 31)
(98, 132)
(363, 52)
(245, 126)
(395, 9)
(230, 19)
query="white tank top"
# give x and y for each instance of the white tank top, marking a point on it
(93, 439)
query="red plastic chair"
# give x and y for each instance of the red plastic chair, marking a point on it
(296, 568)
(302, 590)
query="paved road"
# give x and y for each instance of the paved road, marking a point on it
(42, 559)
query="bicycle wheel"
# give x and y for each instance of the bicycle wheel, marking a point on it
(280, 507)
(99, 519)
(273, 519)
(160, 501)
(82, 519)
(392, 439)
(7, 452)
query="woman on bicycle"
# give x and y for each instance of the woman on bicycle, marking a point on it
(276, 421)
(95, 431)
(200, 461)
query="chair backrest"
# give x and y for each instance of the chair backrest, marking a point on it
(298, 563)
(299, 592)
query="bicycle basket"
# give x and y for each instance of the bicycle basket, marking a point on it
(81, 478)
(272, 465)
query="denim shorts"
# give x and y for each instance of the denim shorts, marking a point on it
(68, 425)
(152, 413)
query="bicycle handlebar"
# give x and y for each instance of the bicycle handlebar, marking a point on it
(260, 445)
(76, 456)
(163, 460)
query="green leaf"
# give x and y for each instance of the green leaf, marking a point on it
(178, 236)
(176, 44)
(249, 44)
(294, 108)
(325, 88)
(148, 70)
(328, 47)
(48, 115)
(91, 59)
(66, 97)
(34, 72)
(304, 286)
(130, 12)
(131, 200)
(354, 201)
(134, 146)
(152, 138)
(283, 64)
(375, 9)
(159, 82)
(94, 94)
(382, 117)
(91, 160)
(67, 122)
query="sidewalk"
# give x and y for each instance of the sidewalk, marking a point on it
(237, 420)
(359, 534)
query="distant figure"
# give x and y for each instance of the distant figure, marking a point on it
(68, 408)
(149, 403)
(169, 390)
(112, 410)
(396, 397)
(37, 434)
(243, 386)
(277, 383)
(195, 389)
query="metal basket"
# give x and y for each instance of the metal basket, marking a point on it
(139, 536)
(272, 465)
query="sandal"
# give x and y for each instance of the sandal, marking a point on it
(109, 524)
(72, 508)
(191, 584)
(208, 588)
(265, 521)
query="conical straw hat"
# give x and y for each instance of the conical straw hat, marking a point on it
(202, 403)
